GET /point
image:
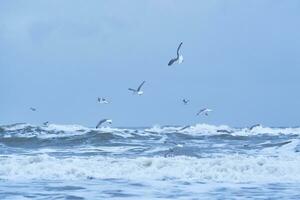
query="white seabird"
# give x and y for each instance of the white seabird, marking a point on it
(185, 101)
(205, 111)
(102, 100)
(138, 90)
(178, 59)
(109, 121)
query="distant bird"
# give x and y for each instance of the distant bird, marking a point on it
(178, 59)
(205, 111)
(224, 131)
(185, 101)
(46, 123)
(183, 128)
(102, 100)
(254, 126)
(33, 109)
(138, 90)
(109, 121)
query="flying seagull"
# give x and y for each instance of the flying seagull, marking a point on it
(224, 131)
(185, 101)
(102, 100)
(138, 90)
(33, 109)
(205, 111)
(254, 126)
(178, 59)
(183, 128)
(109, 121)
(46, 123)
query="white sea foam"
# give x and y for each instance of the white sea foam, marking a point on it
(288, 149)
(159, 129)
(109, 149)
(66, 128)
(206, 129)
(226, 168)
(55, 130)
(15, 127)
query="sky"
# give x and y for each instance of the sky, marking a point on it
(241, 59)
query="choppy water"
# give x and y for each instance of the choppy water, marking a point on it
(199, 162)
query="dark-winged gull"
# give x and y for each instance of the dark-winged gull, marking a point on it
(183, 128)
(185, 101)
(254, 126)
(103, 100)
(224, 131)
(109, 121)
(138, 90)
(178, 59)
(205, 111)
(46, 123)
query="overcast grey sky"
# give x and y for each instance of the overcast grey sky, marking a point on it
(241, 60)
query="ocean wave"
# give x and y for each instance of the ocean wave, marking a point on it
(55, 130)
(227, 168)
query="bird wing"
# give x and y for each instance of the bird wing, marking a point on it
(172, 61)
(179, 49)
(252, 127)
(185, 127)
(139, 88)
(101, 122)
(133, 90)
(201, 111)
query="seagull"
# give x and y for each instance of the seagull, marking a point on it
(183, 128)
(178, 59)
(46, 123)
(224, 131)
(109, 121)
(138, 91)
(185, 101)
(254, 126)
(205, 111)
(102, 100)
(33, 109)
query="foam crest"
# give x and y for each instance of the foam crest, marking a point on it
(287, 148)
(66, 128)
(233, 168)
(206, 129)
(56, 130)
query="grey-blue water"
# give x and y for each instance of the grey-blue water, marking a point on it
(197, 162)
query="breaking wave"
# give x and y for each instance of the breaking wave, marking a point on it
(231, 168)
(200, 153)
(54, 130)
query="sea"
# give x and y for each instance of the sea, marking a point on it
(201, 161)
